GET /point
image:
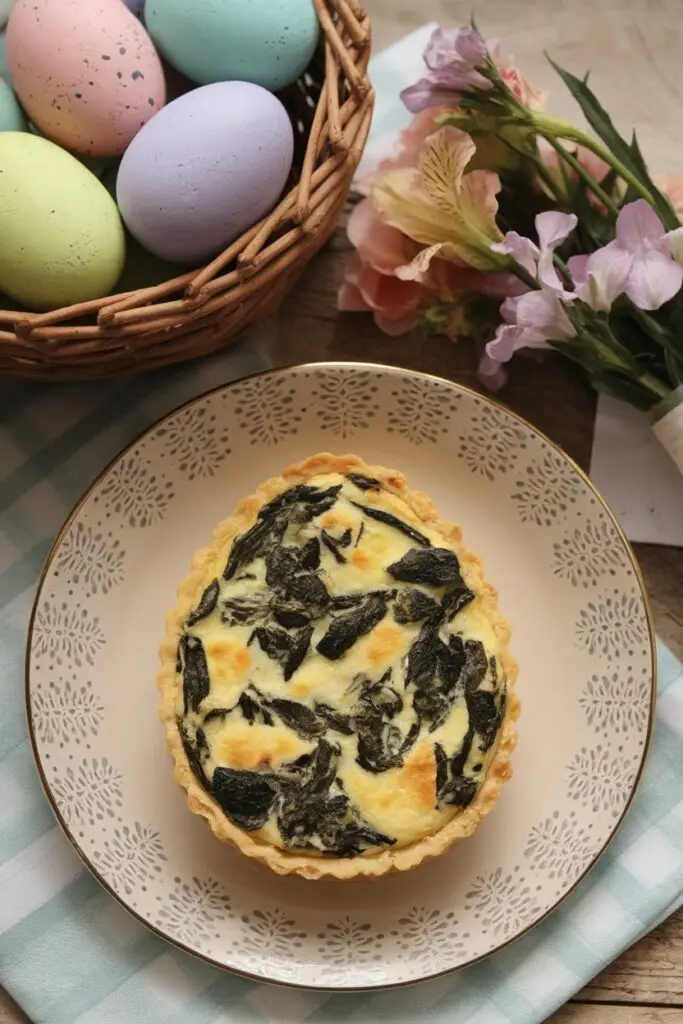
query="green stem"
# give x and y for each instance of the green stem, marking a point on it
(630, 365)
(523, 275)
(590, 181)
(653, 385)
(551, 127)
(542, 171)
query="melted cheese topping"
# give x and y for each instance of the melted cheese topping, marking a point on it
(400, 802)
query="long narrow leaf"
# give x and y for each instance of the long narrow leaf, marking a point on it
(627, 154)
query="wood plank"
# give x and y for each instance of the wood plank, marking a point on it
(9, 1011)
(594, 1013)
(650, 972)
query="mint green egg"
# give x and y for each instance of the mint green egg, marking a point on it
(11, 115)
(266, 42)
(62, 237)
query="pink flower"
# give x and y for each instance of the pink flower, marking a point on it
(370, 282)
(453, 58)
(377, 278)
(672, 187)
(517, 81)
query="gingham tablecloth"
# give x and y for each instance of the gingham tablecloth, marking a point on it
(70, 955)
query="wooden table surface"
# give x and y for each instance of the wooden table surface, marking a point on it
(634, 49)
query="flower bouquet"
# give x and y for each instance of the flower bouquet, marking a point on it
(499, 222)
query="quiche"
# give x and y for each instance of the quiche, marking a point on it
(336, 686)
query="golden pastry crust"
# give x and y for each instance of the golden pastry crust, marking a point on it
(207, 563)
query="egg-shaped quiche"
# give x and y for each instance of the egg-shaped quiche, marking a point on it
(337, 690)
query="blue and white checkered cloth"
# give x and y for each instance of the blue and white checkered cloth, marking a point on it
(70, 955)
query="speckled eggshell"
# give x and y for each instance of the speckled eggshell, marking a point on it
(11, 115)
(62, 237)
(269, 42)
(206, 168)
(86, 72)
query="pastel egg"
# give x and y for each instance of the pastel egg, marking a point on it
(62, 237)
(87, 73)
(268, 42)
(207, 167)
(11, 115)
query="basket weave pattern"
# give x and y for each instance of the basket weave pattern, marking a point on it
(199, 311)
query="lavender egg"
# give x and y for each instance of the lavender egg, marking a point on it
(204, 169)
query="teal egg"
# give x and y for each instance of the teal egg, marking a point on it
(266, 42)
(12, 117)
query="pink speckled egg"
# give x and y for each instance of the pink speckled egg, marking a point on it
(87, 73)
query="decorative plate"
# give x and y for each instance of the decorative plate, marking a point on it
(581, 633)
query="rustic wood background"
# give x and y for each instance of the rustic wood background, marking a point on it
(634, 49)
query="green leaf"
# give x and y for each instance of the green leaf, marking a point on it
(627, 154)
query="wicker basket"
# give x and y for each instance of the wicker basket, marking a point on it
(201, 310)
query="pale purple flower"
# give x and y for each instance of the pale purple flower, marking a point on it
(599, 279)
(553, 228)
(654, 276)
(453, 57)
(538, 316)
(521, 249)
(533, 319)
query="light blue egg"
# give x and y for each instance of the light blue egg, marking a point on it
(12, 117)
(266, 42)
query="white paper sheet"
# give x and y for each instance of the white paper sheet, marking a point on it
(636, 476)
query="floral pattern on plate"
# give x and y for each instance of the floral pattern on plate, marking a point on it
(194, 910)
(92, 559)
(493, 443)
(135, 493)
(266, 410)
(195, 441)
(586, 555)
(598, 779)
(422, 411)
(131, 857)
(89, 792)
(612, 626)
(617, 703)
(547, 491)
(65, 713)
(344, 402)
(67, 634)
